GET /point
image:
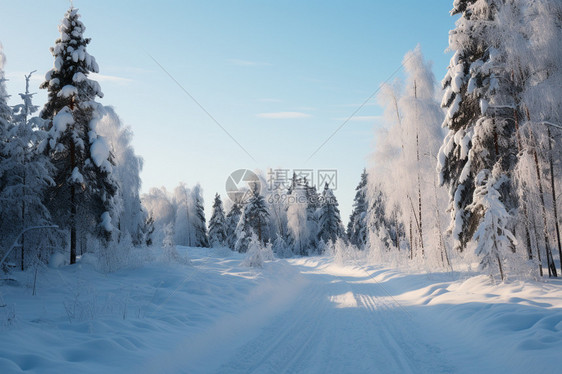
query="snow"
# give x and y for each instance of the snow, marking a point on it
(68, 91)
(454, 108)
(106, 222)
(307, 314)
(76, 176)
(79, 77)
(62, 120)
(99, 151)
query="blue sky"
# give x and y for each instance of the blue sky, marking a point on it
(279, 76)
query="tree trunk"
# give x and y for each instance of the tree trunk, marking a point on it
(72, 205)
(523, 198)
(23, 224)
(555, 206)
(444, 255)
(72, 225)
(538, 248)
(549, 261)
(420, 223)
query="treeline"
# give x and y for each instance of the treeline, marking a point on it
(70, 164)
(301, 221)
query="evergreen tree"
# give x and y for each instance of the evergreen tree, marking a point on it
(232, 219)
(84, 188)
(479, 116)
(148, 230)
(254, 220)
(330, 225)
(217, 224)
(280, 247)
(5, 119)
(312, 214)
(27, 176)
(494, 239)
(199, 223)
(357, 226)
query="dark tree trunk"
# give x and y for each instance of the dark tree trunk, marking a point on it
(555, 206)
(549, 261)
(72, 206)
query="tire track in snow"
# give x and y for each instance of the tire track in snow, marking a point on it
(340, 323)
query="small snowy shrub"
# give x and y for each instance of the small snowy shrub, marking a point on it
(171, 254)
(257, 254)
(343, 252)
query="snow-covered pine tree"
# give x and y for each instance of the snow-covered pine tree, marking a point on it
(280, 247)
(217, 224)
(357, 226)
(479, 115)
(5, 118)
(27, 176)
(254, 220)
(383, 224)
(81, 200)
(312, 214)
(330, 225)
(493, 237)
(198, 218)
(232, 219)
(5, 129)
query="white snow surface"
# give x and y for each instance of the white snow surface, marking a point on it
(300, 315)
(68, 91)
(99, 151)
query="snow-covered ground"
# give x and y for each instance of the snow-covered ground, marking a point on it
(302, 315)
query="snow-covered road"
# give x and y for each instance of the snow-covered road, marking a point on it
(301, 315)
(341, 322)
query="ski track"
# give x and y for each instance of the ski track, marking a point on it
(339, 323)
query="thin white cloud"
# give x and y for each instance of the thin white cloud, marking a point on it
(109, 78)
(283, 115)
(238, 62)
(15, 75)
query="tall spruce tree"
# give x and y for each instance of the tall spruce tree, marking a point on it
(5, 117)
(254, 220)
(330, 225)
(217, 224)
(81, 200)
(232, 219)
(28, 177)
(198, 219)
(479, 117)
(357, 226)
